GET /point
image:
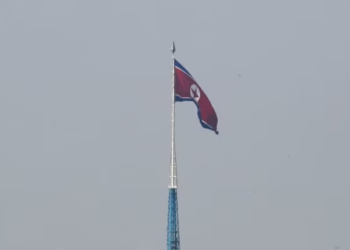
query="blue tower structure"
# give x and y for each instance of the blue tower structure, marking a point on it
(173, 231)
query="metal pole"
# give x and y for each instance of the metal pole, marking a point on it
(173, 232)
(173, 181)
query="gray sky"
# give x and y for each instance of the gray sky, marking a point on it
(85, 101)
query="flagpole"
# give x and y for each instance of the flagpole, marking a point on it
(173, 231)
(173, 170)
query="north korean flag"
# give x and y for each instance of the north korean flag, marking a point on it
(187, 89)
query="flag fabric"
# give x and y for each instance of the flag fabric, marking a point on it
(187, 89)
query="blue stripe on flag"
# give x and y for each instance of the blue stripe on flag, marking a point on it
(178, 65)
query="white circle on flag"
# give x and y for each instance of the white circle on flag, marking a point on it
(194, 92)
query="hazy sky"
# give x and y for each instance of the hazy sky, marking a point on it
(85, 101)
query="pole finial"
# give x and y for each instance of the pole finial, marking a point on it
(173, 49)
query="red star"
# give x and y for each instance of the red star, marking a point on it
(194, 92)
